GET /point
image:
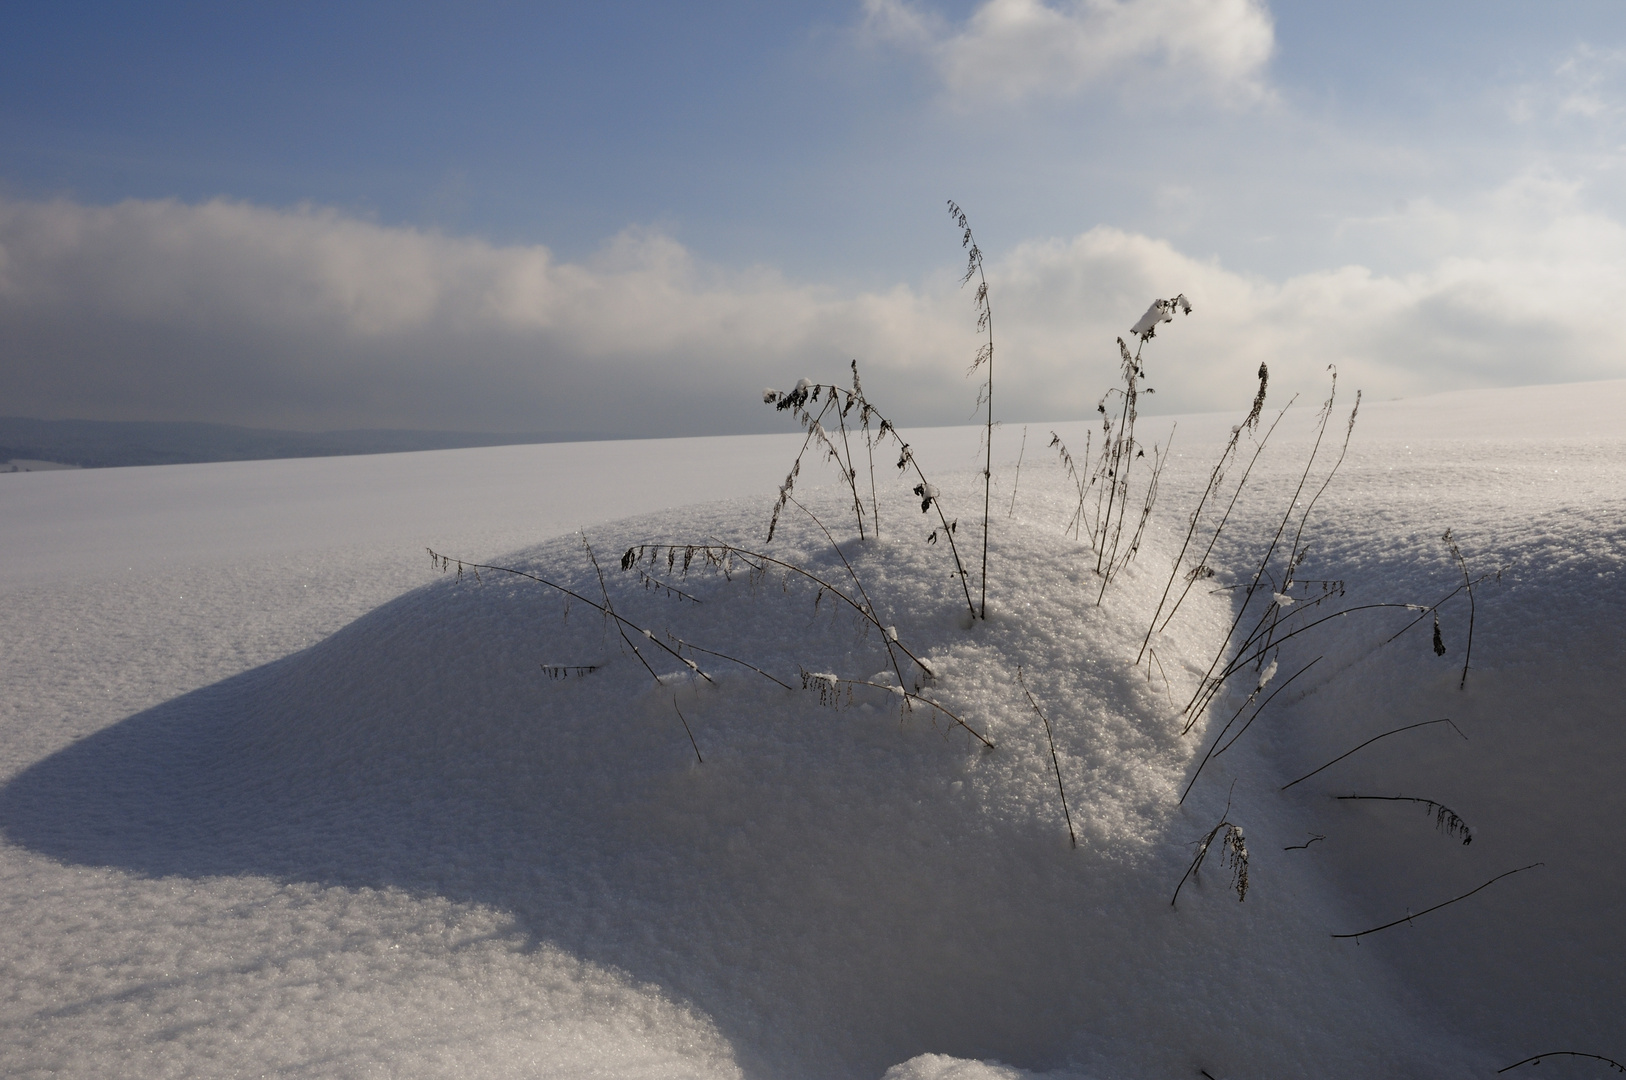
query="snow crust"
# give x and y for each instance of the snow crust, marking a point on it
(280, 800)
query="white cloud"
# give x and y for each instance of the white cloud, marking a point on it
(231, 312)
(1588, 86)
(1012, 49)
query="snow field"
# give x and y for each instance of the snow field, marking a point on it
(403, 849)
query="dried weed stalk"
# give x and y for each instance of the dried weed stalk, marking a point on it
(1467, 583)
(1077, 521)
(1016, 482)
(1446, 820)
(1119, 449)
(1234, 854)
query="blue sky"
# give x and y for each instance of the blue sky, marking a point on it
(504, 216)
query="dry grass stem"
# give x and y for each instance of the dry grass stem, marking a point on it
(1369, 742)
(1017, 481)
(1054, 760)
(1536, 1060)
(1437, 907)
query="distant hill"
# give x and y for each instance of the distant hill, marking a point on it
(96, 444)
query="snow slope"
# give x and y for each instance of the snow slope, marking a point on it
(280, 800)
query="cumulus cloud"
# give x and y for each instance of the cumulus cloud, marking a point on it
(231, 312)
(1012, 49)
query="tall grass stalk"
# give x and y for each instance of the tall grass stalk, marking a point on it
(985, 355)
(1119, 448)
(1016, 482)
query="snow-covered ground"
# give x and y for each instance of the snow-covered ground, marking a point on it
(278, 799)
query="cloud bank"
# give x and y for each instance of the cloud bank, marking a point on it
(1011, 49)
(307, 318)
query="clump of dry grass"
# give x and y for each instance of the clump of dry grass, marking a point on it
(1216, 477)
(1120, 449)
(1257, 643)
(840, 401)
(910, 668)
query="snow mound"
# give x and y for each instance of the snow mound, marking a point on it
(841, 885)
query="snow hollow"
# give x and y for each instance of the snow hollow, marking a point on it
(281, 798)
